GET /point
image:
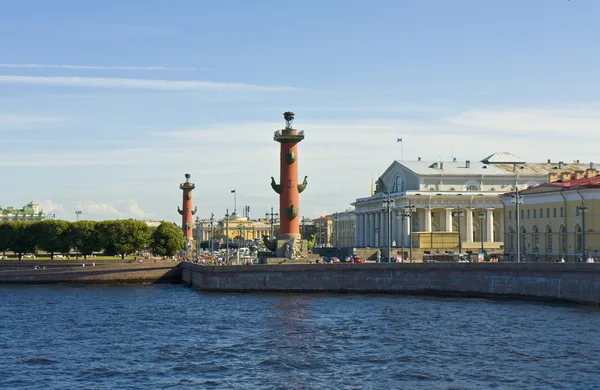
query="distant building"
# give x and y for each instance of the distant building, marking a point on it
(343, 229)
(151, 223)
(237, 228)
(558, 219)
(323, 229)
(30, 212)
(430, 198)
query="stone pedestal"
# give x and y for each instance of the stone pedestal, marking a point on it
(300, 250)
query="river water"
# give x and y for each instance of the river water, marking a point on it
(169, 336)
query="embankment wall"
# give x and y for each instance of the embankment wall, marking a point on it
(576, 282)
(149, 272)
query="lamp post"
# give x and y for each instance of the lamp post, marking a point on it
(408, 210)
(226, 235)
(517, 199)
(401, 217)
(271, 215)
(198, 224)
(303, 235)
(582, 210)
(336, 220)
(78, 213)
(458, 214)
(387, 205)
(212, 233)
(481, 218)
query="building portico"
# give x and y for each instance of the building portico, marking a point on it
(435, 202)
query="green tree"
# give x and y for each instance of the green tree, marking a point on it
(21, 238)
(124, 236)
(51, 236)
(84, 237)
(167, 240)
(5, 233)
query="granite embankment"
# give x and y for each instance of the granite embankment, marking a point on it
(73, 271)
(575, 282)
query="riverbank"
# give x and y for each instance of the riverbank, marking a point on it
(88, 272)
(574, 282)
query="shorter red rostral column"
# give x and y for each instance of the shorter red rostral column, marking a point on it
(187, 212)
(288, 188)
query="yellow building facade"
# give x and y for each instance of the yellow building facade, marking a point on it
(556, 220)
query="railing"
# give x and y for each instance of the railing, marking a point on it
(279, 133)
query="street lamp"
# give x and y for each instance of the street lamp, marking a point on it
(271, 215)
(198, 224)
(517, 199)
(336, 227)
(458, 213)
(303, 235)
(78, 213)
(481, 218)
(408, 210)
(583, 210)
(212, 233)
(387, 205)
(226, 235)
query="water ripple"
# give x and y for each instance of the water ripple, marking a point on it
(132, 337)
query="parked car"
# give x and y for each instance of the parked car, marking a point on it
(358, 260)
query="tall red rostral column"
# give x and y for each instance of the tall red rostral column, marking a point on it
(289, 189)
(187, 212)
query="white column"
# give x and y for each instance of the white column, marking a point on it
(427, 219)
(365, 229)
(469, 223)
(406, 230)
(490, 225)
(396, 218)
(369, 232)
(449, 220)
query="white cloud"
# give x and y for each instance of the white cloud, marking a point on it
(127, 208)
(339, 158)
(27, 120)
(131, 206)
(90, 67)
(100, 82)
(49, 206)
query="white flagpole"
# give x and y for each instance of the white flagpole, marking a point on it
(402, 150)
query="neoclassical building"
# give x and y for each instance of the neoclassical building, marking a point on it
(558, 219)
(432, 203)
(235, 227)
(29, 212)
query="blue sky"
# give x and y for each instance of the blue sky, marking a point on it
(105, 105)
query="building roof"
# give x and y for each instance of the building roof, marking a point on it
(557, 186)
(478, 168)
(503, 158)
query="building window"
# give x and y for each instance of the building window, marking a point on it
(548, 212)
(578, 238)
(562, 211)
(522, 214)
(523, 238)
(536, 238)
(534, 213)
(511, 238)
(472, 187)
(528, 214)
(577, 211)
(509, 214)
(541, 213)
(563, 239)
(554, 213)
(548, 239)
